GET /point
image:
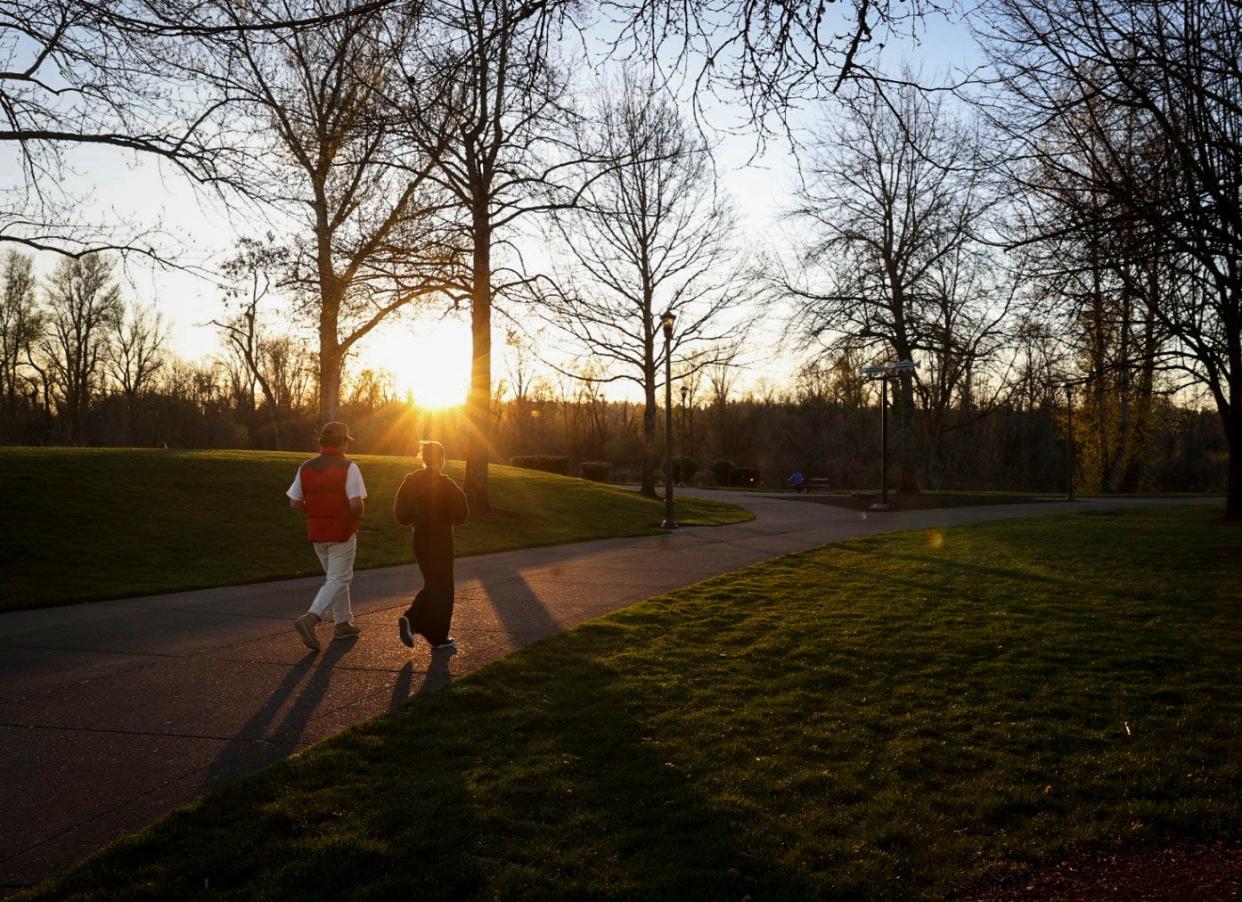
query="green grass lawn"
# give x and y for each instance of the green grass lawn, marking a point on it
(88, 524)
(891, 717)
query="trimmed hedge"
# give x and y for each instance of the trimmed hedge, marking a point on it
(722, 472)
(746, 476)
(548, 463)
(596, 470)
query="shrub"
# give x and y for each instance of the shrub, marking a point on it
(684, 469)
(596, 470)
(722, 472)
(747, 476)
(549, 463)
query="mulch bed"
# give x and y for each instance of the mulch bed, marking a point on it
(1193, 872)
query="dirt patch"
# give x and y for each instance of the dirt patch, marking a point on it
(1193, 872)
(921, 502)
(1230, 552)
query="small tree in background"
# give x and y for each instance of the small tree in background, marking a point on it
(650, 234)
(83, 308)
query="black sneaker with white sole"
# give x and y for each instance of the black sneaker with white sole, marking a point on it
(407, 634)
(447, 647)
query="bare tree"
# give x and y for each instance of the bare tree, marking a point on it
(650, 235)
(251, 273)
(77, 74)
(1102, 295)
(21, 327)
(126, 78)
(521, 376)
(890, 267)
(135, 355)
(290, 370)
(83, 306)
(486, 105)
(1146, 99)
(776, 57)
(333, 166)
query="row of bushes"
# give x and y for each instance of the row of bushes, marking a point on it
(549, 463)
(724, 472)
(597, 470)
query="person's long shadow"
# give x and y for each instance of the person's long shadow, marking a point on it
(401, 686)
(520, 611)
(436, 677)
(257, 743)
(463, 816)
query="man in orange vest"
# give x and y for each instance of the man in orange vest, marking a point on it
(328, 489)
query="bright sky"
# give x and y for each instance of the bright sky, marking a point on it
(143, 191)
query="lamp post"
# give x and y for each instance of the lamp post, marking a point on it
(1069, 441)
(884, 372)
(884, 443)
(667, 320)
(681, 466)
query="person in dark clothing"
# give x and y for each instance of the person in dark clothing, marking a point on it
(432, 504)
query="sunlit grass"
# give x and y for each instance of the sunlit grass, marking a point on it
(887, 718)
(85, 524)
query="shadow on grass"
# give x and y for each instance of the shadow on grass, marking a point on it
(886, 554)
(565, 799)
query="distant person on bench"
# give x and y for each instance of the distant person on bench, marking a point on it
(433, 504)
(797, 481)
(329, 490)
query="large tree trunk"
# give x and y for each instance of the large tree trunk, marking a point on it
(329, 377)
(1233, 432)
(478, 405)
(329, 348)
(1132, 479)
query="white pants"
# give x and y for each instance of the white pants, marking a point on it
(338, 564)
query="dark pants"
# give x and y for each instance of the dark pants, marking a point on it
(432, 609)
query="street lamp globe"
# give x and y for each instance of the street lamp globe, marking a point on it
(666, 320)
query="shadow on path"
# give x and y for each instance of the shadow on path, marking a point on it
(519, 609)
(401, 688)
(258, 742)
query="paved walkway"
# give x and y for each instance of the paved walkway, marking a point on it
(113, 713)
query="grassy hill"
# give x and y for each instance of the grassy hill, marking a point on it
(89, 524)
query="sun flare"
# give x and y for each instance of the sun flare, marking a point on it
(429, 361)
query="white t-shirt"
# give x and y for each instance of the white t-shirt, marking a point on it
(354, 487)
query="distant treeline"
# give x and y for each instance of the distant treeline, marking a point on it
(1009, 447)
(78, 366)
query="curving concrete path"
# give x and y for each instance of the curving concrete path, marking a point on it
(113, 713)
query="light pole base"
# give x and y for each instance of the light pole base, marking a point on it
(668, 524)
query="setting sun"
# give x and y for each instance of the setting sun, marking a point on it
(429, 361)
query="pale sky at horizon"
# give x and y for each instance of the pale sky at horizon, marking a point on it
(145, 192)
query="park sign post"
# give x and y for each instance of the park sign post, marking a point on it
(884, 372)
